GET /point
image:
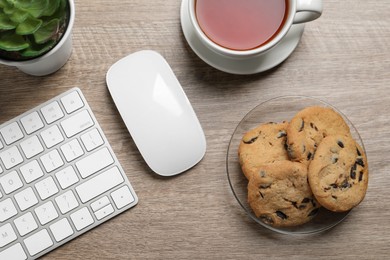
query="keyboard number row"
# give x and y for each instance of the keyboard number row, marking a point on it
(33, 122)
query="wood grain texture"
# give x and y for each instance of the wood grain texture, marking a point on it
(343, 58)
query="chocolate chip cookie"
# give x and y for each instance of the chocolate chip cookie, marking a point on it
(338, 174)
(307, 129)
(261, 145)
(280, 196)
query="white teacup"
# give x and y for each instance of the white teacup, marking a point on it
(298, 11)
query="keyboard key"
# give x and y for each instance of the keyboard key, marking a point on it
(46, 188)
(25, 224)
(46, 213)
(58, 177)
(11, 182)
(11, 157)
(14, 252)
(31, 123)
(99, 184)
(72, 150)
(100, 203)
(26, 199)
(52, 161)
(122, 197)
(11, 133)
(67, 177)
(7, 209)
(61, 229)
(104, 212)
(92, 140)
(31, 171)
(72, 102)
(52, 136)
(38, 242)
(94, 162)
(81, 218)
(66, 202)
(52, 112)
(7, 235)
(31, 147)
(77, 123)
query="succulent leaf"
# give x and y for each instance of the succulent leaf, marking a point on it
(29, 26)
(6, 23)
(13, 42)
(34, 8)
(61, 10)
(18, 16)
(3, 3)
(36, 50)
(46, 31)
(9, 8)
(23, 4)
(51, 7)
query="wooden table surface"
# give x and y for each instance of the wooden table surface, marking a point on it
(343, 58)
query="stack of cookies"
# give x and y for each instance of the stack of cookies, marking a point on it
(294, 168)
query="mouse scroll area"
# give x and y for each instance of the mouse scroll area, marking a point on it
(157, 112)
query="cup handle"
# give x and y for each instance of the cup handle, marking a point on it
(308, 10)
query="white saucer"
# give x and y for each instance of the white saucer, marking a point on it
(261, 63)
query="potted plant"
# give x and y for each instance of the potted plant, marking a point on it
(35, 35)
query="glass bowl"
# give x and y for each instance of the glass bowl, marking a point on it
(277, 110)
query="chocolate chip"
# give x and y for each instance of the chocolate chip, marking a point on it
(306, 200)
(261, 194)
(281, 134)
(345, 184)
(360, 176)
(335, 197)
(267, 219)
(302, 126)
(360, 162)
(302, 206)
(340, 144)
(334, 185)
(353, 172)
(265, 186)
(251, 141)
(334, 160)
(313, 212)
(281, 215)
(358, 152)
(294, 203)
(309, 156)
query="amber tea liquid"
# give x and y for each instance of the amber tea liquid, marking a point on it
(241, 24)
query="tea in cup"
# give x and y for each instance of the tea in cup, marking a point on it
(241, 30)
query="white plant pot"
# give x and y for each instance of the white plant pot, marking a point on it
(52, 60)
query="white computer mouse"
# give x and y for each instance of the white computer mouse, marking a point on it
(156, 112)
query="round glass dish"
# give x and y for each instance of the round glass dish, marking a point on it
(277, 110)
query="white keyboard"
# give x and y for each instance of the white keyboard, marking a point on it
(58, 177)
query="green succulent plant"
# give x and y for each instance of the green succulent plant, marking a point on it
(30, 28)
